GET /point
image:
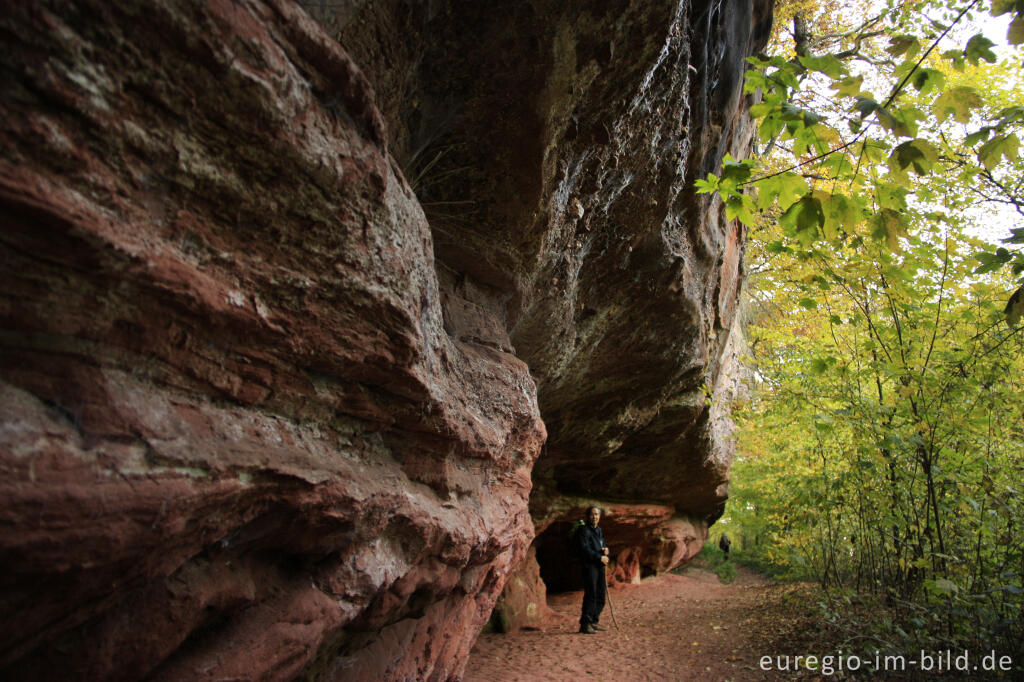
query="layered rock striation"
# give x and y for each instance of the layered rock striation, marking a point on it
(238, 441)
(555, 148)
(290, 308)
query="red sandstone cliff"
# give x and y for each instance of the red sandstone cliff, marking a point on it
(286, 307)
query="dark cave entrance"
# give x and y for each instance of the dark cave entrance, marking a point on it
(628, 545)
(557, 570)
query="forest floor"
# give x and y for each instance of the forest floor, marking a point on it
(688, 627)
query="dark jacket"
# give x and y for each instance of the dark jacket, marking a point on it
(589, 543)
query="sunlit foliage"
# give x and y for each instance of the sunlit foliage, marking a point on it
(882, 447)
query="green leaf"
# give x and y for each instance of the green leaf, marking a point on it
(810, 118)
(770, 127)
(784, 76)
(956, 58)
(826, 64)
(888, 226)
(785, 188)
(865, 106)
(841, 213)
(1015, 307)
(755, 80)
(803, 219)
(838, 164)
(902, 44)
(899, 123)
(709, 186)
(791, 112)
(891, 196)
(919, 154)
(736, 171)
(812, 137)
(1016, 236)
(823, 283)
(977, 136)
(1010, 115)
(980, 48)
(849, 86)
(992, 261)
(958, 103)
(1000, 7)
(1003, 146)
(1015, 33)
(809, 303)
(776, 247)
(926, 79)
(904, 69)
(737, 207)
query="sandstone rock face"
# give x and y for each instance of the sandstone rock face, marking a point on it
(286, 307)
(523, 602)
(555, 147)
(237, 440)
(632, 302)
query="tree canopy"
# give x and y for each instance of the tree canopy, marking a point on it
(882, 446)
(890, 125)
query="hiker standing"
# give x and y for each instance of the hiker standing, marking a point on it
(724, 544)
(593, 556)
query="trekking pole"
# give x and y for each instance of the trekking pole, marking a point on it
(608, 596)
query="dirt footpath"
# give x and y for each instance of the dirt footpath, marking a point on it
(689, 627)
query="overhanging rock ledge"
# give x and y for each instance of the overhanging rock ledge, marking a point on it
(312, 315)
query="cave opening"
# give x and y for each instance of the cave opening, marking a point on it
(557, 569)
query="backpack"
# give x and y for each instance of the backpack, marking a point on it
(573, 546)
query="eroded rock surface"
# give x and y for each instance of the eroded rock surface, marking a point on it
(237, 441)
(523, 602)
(281, 316)
(555, 147)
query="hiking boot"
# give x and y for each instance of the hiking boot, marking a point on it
(587, 629)
(598, 628)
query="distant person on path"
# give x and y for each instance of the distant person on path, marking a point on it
(724, 544)
(593, 556)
